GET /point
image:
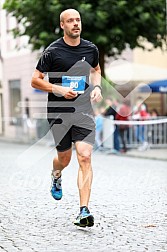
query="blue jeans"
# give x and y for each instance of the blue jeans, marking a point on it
(116, 139)
(139, 133)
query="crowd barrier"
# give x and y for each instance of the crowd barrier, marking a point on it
(154, 131)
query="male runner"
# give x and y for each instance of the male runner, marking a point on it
(69, 61)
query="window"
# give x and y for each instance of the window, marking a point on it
(14, 98)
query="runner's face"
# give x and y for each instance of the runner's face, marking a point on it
(72, 24)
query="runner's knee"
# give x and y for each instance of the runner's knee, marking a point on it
(64, 160)
(84, 156)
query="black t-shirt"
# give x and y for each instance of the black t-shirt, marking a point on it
(60, 59)
(110, 111)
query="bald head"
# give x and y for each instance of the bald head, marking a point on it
(70, 22)
(67, 12)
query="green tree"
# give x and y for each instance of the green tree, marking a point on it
(110, 24)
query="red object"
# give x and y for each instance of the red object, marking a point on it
(123, 113)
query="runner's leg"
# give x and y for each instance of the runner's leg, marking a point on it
(85, 173)
(61, 161)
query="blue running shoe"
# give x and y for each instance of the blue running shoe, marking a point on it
(56, 189)
(84, 219)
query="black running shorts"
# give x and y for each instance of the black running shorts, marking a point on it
(72, 127)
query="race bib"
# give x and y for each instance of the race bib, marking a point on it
(77, 83)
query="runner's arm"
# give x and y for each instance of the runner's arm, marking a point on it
(38, 82)
(95, 77)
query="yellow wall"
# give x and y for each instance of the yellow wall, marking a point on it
(156, 58)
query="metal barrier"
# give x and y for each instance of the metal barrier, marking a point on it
(153, 131)
(25, 129)
(31, 130)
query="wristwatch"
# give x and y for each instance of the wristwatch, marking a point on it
(98, 87)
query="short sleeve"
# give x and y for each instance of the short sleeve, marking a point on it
(45, 62)
(96, 57)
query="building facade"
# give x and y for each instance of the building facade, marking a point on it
(157, 59)
(17, 63)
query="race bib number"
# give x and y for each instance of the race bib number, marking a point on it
(77, 83)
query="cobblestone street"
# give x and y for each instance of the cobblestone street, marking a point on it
(128, 202)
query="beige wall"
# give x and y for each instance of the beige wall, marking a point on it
(16, 65)
(19, 68)
(1, 118)
(155, 58)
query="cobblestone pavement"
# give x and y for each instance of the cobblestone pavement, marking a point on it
(128, 201)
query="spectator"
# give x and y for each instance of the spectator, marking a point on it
(123, 115)
(99, 128)
(140, 113)
(154, 113)
(112, 106)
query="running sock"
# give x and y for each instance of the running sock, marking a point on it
(58, 182)
(57, 179)
(82, 207)
(56, 174)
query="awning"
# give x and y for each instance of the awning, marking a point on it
(157, 87)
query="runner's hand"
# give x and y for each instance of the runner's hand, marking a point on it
(96, 95)
(67, 92)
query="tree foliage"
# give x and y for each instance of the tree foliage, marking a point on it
(110, 24)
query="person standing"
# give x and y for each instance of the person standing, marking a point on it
(111, 110)
(123, 115)
(140, 113)
(99, 128)
(69, 62)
